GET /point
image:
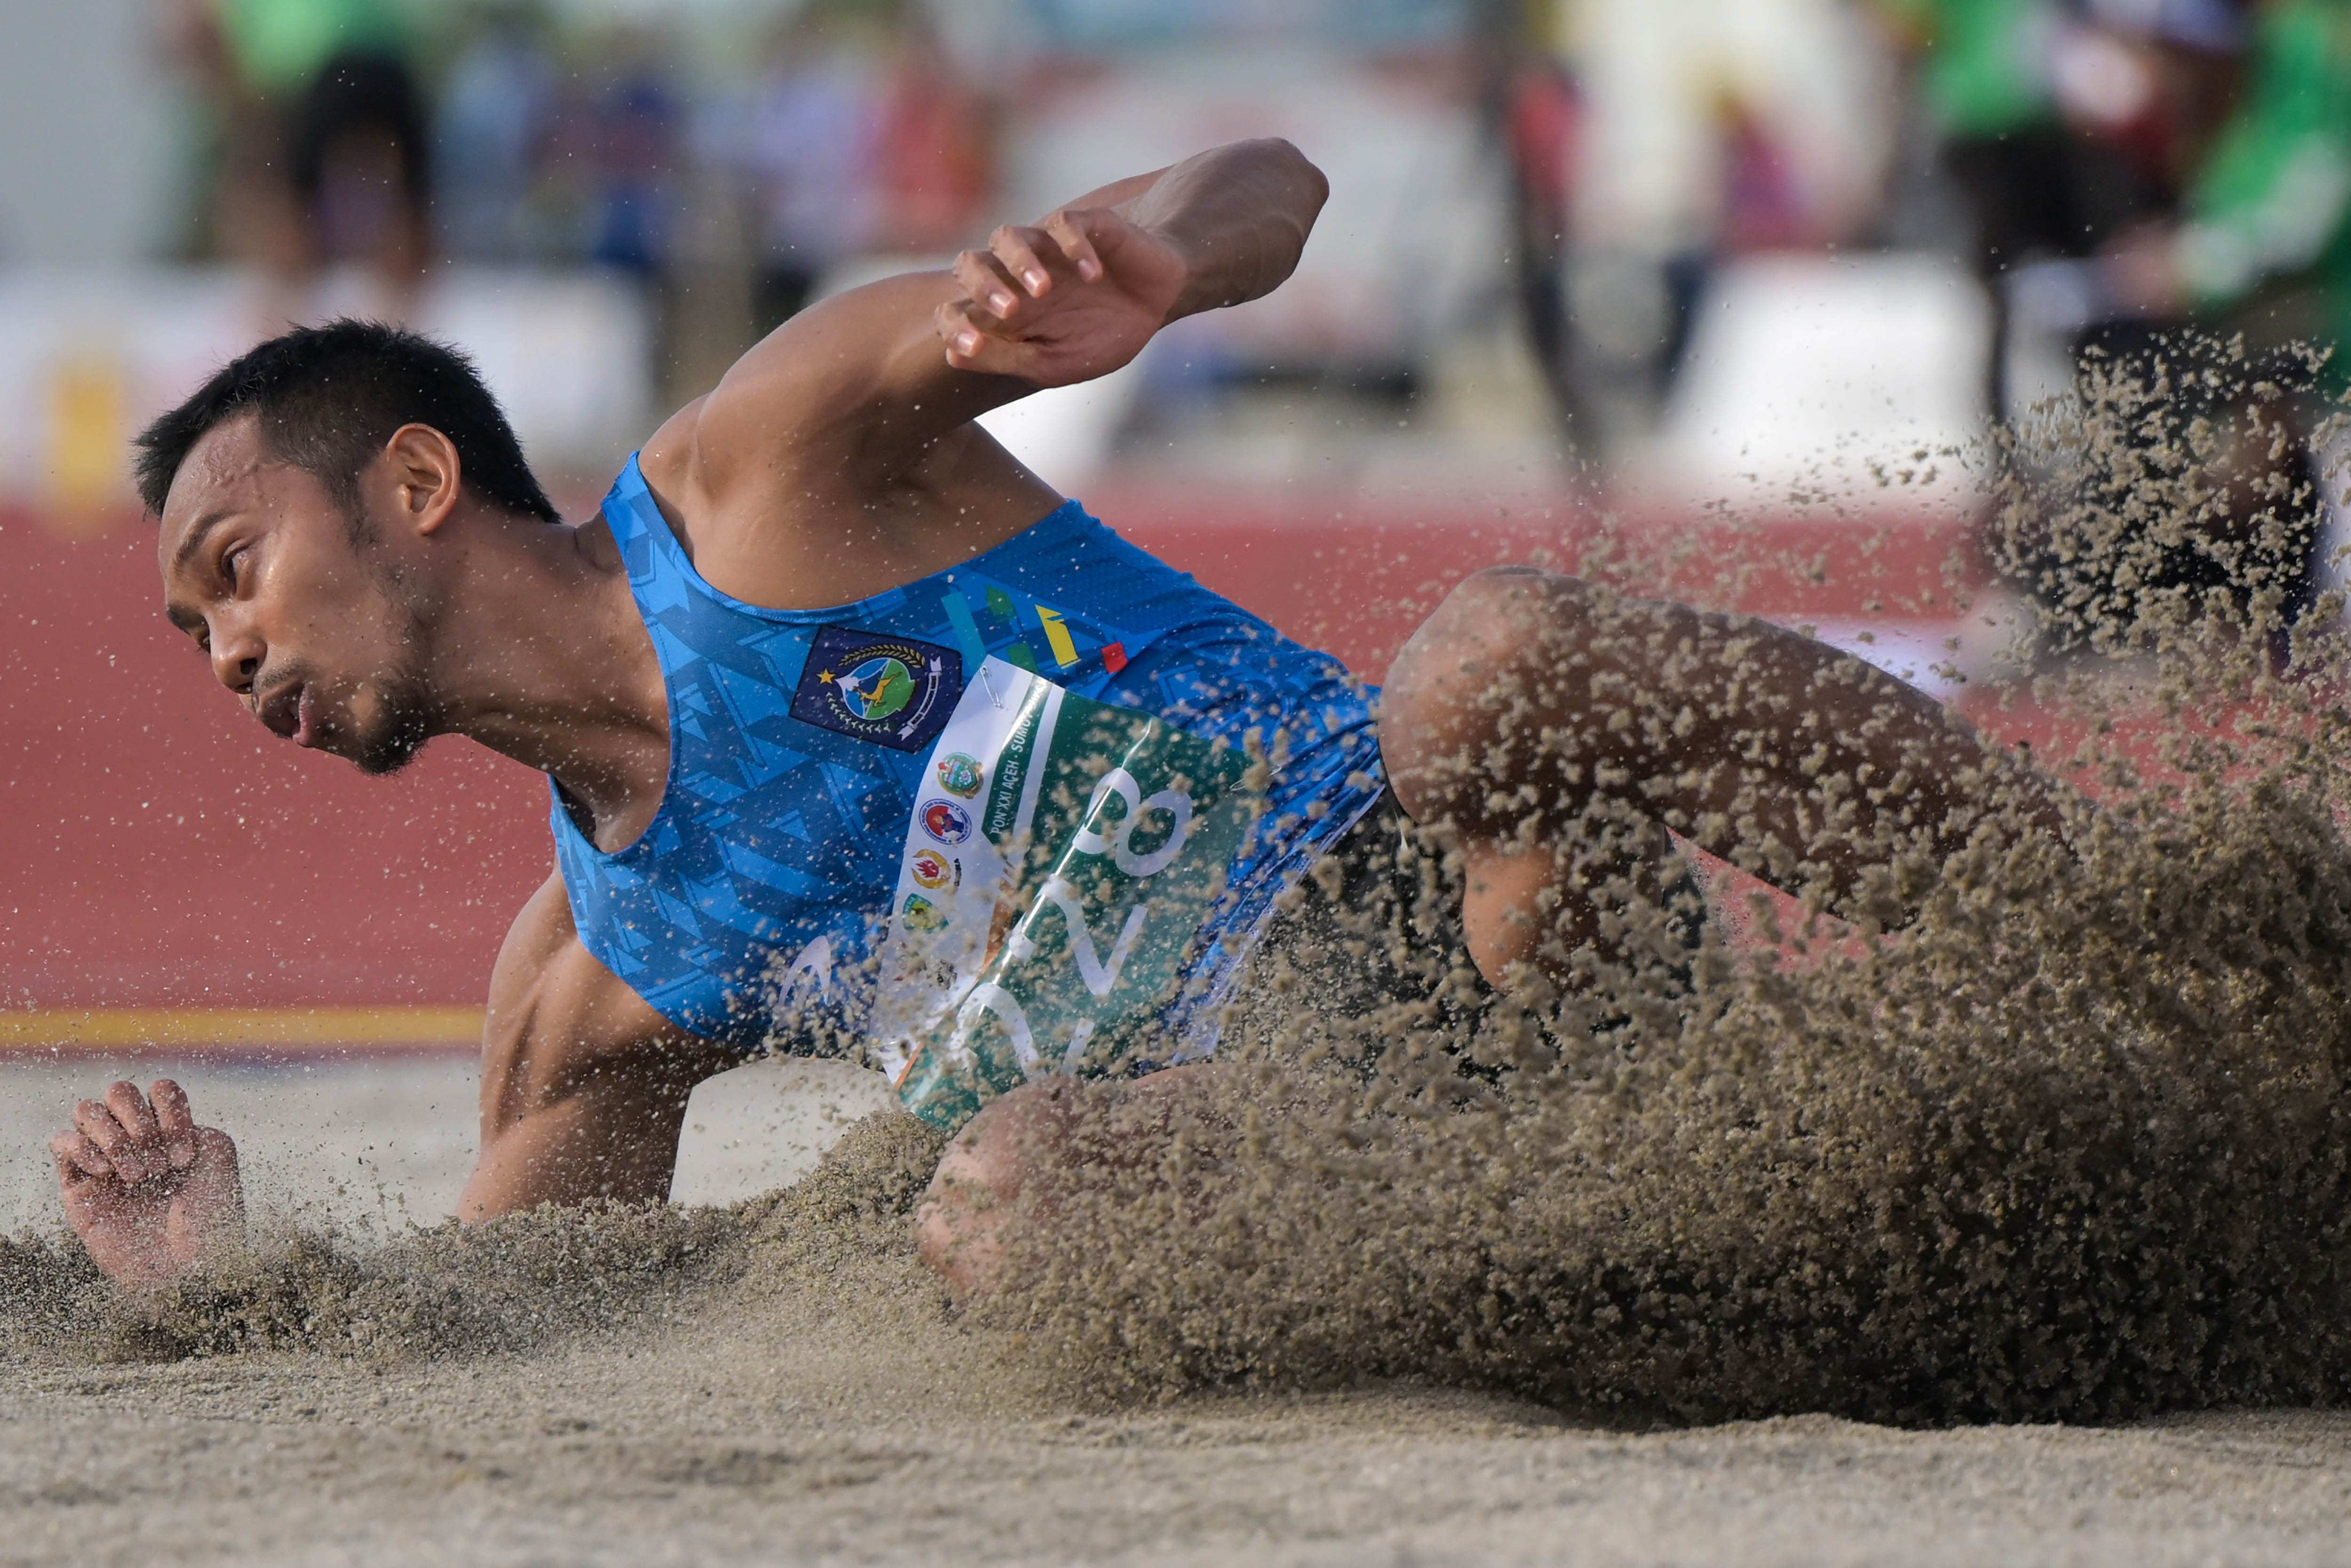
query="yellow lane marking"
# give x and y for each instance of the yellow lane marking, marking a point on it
(293, 1029)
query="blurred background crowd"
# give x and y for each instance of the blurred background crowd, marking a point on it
(2094, 161)
(1540, 202)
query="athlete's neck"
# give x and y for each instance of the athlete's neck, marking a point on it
(540, 654)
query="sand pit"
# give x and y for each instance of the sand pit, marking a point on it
(2035, 1196)
(2054, 1181)
(594, 1457)
(826, 1409)
(839, 1414)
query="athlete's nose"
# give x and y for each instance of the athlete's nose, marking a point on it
(236, 653)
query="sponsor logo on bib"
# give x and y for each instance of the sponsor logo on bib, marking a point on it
(896, 692)
(1044, 925)
(947, 821)
(959, 774)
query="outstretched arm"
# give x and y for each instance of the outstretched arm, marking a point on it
(1075, 294)
(845, 436)
(1078, 294)
(583, 1095)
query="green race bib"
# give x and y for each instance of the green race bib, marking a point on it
(1060, 860)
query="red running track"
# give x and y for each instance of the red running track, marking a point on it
(161, 851)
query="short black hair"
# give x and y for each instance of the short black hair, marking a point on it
(328, 398)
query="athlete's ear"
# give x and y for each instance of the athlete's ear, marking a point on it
(424, 476)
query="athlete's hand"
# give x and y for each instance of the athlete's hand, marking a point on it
(1073, 297)
(149, 1192)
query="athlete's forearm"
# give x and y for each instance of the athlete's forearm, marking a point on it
(577, 1151)
(1234, 220)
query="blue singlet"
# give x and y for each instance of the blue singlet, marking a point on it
(772, 861)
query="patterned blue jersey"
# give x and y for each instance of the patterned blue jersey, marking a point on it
(798, 740)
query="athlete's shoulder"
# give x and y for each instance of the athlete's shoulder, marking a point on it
(735, 525)
(668, 467)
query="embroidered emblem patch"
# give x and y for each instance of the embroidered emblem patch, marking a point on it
(896, 692)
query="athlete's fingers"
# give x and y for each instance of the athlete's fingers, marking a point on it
(178, 1122)
(952, 321)
(213, 1181)
(95, 1122)
(987, 284)
(1073, 230)
(172, 1113)
(131, 1108)
(971, 348)
(78, 1159)
(1027, 253)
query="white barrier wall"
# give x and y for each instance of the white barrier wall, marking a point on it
(1803, 371)
(86, 357)
(93, 133)
(1411, 245)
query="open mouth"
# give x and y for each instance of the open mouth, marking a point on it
(290, 714)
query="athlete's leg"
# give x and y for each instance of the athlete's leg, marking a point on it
(1551, 725)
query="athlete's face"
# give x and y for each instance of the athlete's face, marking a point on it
(312, 626)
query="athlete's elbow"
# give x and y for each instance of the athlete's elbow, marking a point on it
(1302, 187)
(1304, 172)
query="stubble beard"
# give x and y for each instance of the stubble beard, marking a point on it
(407, 713)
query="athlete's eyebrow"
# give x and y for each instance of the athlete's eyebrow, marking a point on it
(196, 536)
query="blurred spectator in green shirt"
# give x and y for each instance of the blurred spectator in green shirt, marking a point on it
(2265, 248)
(279, 46)
(2194, 322)
(2034, 187)
(325, 156)
(1985, 65)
